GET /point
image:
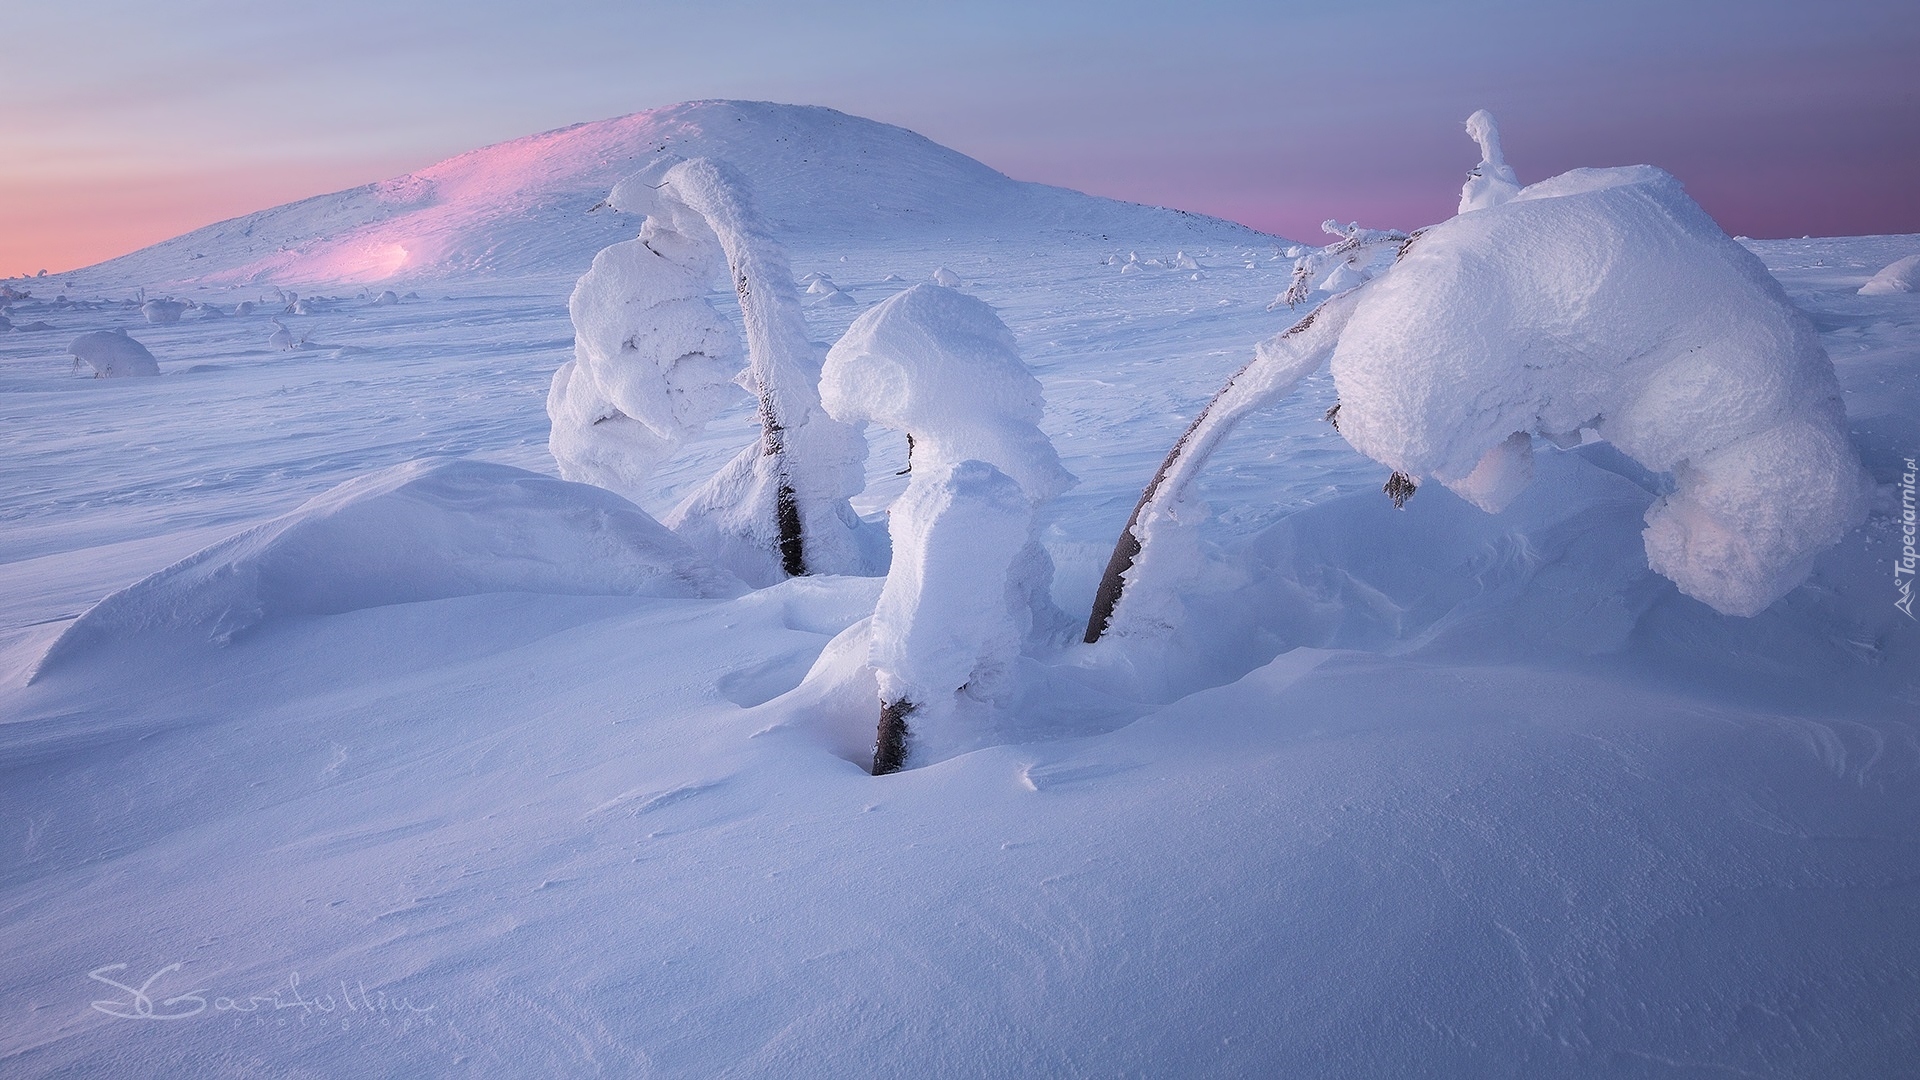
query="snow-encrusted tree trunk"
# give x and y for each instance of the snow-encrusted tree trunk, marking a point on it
(780, 508)
(1134, 570)
(969, 582)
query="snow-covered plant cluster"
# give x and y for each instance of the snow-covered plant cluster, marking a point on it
(1602, 304)
(969, 582)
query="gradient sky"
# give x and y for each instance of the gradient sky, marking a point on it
(122, 124)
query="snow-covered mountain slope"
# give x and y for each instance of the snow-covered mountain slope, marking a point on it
(528, 206)
(1420, 793)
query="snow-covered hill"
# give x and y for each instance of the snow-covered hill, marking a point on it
(528, 206)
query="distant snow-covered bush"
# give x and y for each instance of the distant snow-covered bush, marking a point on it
(112, 354)
(163, 312)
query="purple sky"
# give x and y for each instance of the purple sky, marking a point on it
(125, 125)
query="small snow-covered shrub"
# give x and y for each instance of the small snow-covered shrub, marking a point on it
(652, 363)
(112, 354)
(163, 312)
(1354, 259)
(1493, 181)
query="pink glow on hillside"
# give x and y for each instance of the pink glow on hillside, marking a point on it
(78, 222)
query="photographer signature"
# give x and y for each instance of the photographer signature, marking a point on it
(140, 1003)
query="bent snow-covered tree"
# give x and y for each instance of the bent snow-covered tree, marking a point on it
(969, 583)
(1601, 302)
(655, 352)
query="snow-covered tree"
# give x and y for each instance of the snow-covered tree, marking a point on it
(1603, 303)
(778, 509)
(969, 583)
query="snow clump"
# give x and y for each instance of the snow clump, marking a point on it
(1491, 182)
(652, 362)
(112, 354)
(1606, 301)
(1900, 276)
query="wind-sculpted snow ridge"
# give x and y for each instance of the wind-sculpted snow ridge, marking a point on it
(425, 530)
(533, 205)
(1606, 301)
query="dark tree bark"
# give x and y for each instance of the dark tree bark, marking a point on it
(890, 743)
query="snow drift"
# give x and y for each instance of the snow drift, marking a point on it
(425, 530)
(1899, 276)
(1606, 301)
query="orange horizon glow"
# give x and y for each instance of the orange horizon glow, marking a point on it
(71, 223)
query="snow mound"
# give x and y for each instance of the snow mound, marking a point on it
(1607, 301)
(940, 365)
(425, 530)
(112, 354)
(1899, 276)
